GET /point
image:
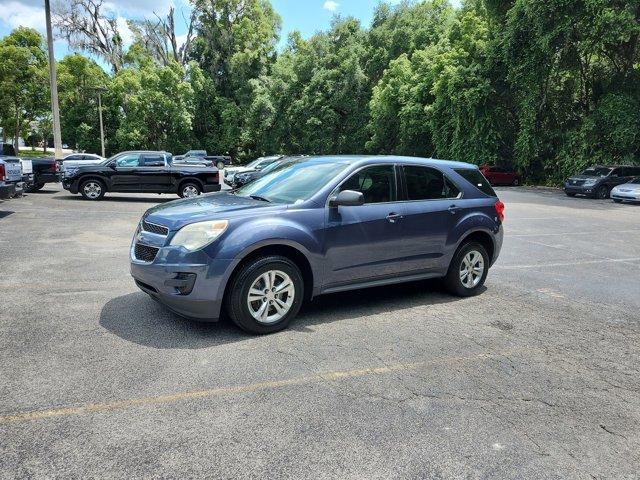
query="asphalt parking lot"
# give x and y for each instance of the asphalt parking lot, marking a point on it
(538, 377)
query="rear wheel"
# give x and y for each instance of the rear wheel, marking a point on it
(34, 188)
(516, 182)
(220, 165)
(92, 189)
(265, 295)
(189, 189)
(468, 270)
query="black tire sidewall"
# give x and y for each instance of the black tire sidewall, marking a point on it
(236, 302)
(602, 189)
(84, 182)
(452, 280)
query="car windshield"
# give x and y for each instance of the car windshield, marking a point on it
(292, 183)
(108, 160)
(597, 171)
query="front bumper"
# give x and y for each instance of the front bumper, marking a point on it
(193, 288)
(625, 196)
(71, 185)
(581, 190)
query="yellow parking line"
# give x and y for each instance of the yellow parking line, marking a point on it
(252, 387)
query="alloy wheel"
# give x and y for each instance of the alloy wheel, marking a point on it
(92, 190)
(190, 191)
(271, 296)
(471, 269)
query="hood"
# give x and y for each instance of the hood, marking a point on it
(239, 170)
(586, 177)
(628, 186)
(212, 206)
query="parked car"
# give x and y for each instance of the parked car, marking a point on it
(196, 156)
(45, 170)
(141, 172)
(242, 178)
(597, 181)
(255, 165)
(320, 225)
(11, 184)
(627, 192)
(78, 159)
(500, 175)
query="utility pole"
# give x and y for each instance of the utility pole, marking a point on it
(55, 110)
(100, 90)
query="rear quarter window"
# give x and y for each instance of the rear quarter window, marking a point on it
(476, 178)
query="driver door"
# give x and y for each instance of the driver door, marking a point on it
(365, 242)
(125, 178)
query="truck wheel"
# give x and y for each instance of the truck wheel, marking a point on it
(189, 189)
(602, 193)
(265, 295)
(92, 189)
(220, 165)
(468, 270)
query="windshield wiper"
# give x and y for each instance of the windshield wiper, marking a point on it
(258, 197)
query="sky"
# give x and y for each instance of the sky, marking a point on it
(306, 16)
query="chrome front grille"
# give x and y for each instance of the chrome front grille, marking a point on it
(153, 228)
(145, 253)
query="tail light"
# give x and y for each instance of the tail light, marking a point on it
(499, 206)
(3, 173)
(55, 166)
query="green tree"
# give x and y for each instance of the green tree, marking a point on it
(23, 81)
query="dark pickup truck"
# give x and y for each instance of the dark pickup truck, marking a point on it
(140, 172)
(200, 157)
(45, 170)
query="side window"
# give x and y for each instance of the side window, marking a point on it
(127, 161)
(153, 161)
(74, 157)
(425, 183)
(616, 172)
(377, 184)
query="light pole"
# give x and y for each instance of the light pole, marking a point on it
(100, 91)
(55, 110)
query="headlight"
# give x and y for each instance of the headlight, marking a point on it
(589, 183)
(197, 235)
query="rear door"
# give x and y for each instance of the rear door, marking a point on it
(153, 173)
(125, 177)
(432, 208)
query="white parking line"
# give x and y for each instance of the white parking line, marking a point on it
(609, 232)
(567, 264)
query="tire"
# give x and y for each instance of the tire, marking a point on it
(220, 165)
(189, 189)
(471, 285)
(602, 193)
(616, 200)
(34, 188)
(516, 182)
(92, 189)
(570, 194)
(253, 277)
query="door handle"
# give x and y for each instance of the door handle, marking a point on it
(453, 209)
(394, 217)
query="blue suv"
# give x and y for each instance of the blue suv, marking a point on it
(320, 225)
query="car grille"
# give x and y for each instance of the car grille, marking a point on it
(153, 228)
(145, 253)
(576, 182)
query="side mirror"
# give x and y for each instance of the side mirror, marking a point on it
(347, 198)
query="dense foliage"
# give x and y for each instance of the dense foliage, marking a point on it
(548, 86)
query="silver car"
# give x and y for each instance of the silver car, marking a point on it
(627, 192)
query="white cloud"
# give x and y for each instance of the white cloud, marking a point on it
(331, 5)
(15, 13)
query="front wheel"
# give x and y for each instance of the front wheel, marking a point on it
(602, 193)
(220, 165)
(188, 190)
(570, 194)
(516, 182)
(617, 200)
(265, 295)
(92, 189)
(468, 270)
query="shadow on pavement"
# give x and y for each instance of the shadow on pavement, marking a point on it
(107, 199)
(139, 319)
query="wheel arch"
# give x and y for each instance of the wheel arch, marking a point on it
(484, 238)
(195, 180)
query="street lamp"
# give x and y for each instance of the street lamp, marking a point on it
(100, 91)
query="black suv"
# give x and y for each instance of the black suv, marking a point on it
(140, 172)
(597, 182)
